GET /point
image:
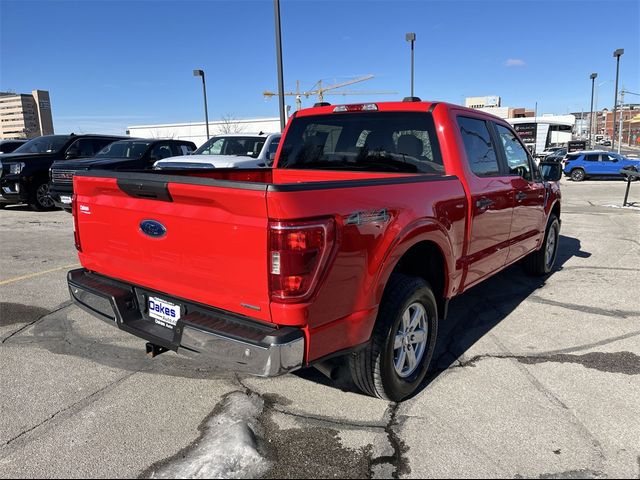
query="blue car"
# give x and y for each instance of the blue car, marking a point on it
(582, 165)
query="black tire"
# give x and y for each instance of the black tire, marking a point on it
(2, 206)
(373, 369)
(538, 263)
(633, 169)
(39, 199)
(578, 175)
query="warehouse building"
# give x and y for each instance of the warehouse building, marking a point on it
(197, 132)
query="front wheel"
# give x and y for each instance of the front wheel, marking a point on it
(395, 362)
(39, 200)
(541, 261)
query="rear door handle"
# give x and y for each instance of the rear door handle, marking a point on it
(484, 203)
(520, 196)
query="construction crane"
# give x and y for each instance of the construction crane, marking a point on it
(321, 91)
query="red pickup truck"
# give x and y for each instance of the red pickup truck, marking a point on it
(373, 217)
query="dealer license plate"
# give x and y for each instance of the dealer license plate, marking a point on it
(163, 313)
(65, 199)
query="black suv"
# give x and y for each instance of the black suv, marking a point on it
(24, 174)
(132, 154)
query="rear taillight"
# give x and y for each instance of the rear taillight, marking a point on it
(76, 230)
(298, 255)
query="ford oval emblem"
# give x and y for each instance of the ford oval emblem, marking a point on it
(153, 228)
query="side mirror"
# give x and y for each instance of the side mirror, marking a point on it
(550, 171)
(272, 156)
(71, 154)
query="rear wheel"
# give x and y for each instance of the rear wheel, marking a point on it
(541, 261)
(39, 199)
(577, 175)
(396, 360)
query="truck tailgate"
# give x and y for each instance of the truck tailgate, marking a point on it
(214, 250)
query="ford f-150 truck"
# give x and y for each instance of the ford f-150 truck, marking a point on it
(349, 249)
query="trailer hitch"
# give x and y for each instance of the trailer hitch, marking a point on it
(154, 350)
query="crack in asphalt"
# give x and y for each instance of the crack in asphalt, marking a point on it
(585, 308)
(88, 399)
(397, 460)
(586, 267)
(627, 363)
(62, 306)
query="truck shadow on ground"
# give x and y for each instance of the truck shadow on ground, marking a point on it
(474, 314)
(471, 317)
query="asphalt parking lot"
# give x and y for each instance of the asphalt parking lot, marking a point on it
(533, 378)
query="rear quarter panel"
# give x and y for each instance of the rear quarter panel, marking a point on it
(342, 312)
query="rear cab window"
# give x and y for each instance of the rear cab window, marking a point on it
(403, 142)
(516, 156)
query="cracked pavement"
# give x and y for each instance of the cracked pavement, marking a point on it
(530, 379)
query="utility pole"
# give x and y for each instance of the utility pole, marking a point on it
(200, 73)
(283, 120)
(593, 77)
(621, 118)
(617, 53)
(411, 37)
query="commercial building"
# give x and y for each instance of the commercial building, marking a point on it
(603, 122)
(197, 132)
(493, 104)
(24, 115)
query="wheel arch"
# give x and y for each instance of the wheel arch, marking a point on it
(423, 251)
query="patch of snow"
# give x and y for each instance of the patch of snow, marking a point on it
(630, 207)
(228, 447)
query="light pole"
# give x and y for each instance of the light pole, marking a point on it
(283, 121)
(618, 53)
(593, 77)
(595, 106)
(200, 73)
(411, 37)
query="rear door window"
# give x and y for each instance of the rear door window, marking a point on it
(83, 147)
(100, 143)
(160, 151)
(479, 147)
(371, 141)
(181, 149)
(515, 154)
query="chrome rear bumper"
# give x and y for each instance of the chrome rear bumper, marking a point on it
(231, 341)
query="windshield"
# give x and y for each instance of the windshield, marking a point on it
(377, 142)
(124, 149)
(48, 144)
(243, 146)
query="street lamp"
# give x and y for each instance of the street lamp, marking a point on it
(411, 37)
(618, 53)
(593, 77)
(276, 7)
(200, 73)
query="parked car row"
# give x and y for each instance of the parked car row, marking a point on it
(40, 171)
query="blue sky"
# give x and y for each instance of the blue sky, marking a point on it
(109, 64)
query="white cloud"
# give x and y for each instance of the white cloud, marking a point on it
(514, 62)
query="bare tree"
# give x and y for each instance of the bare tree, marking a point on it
(230, 124)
